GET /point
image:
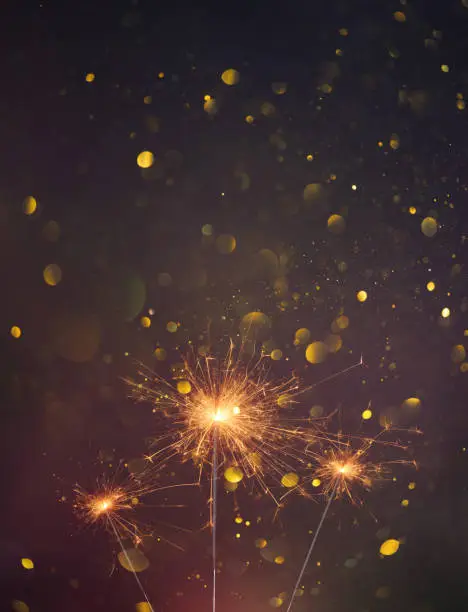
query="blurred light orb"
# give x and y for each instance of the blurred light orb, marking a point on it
(225, 243)
(342, 322)
(90, 77)
(429, 227)
(230, 76)
(389, 547)
(430, 286)
(207, 229)
(172, 327)
(275, 602)
(301, 336)
(276, 354)
(145, 159)
(279, 88)
(261, 543)
(316, 352)
(164, 279)
(143, 606)
(316, 482)
(361, 296)
(458, 353)
(16, 332)
(29, 205)
(184, 387)
(51, 231)
(52, 275)
(312, 191)
(133, 560)
(145, 322)
(367, 414)
(336, 224)
(333, 343)
(316, 411)
(290, 480)
(27, 563)
(445, 313)
(233, 474)
(19, 606)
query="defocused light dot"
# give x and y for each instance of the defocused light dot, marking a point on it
(160, 354)
(301, 336)
(27, 564)
(405, 503)
(275, 602)
(316, 352)
(336, 224)
(207, 230)
(276, 354)
(16, 332)
(367, 414)
(342, 322)
(52, 274)
(343, 31)
(316, 482)
(147, 100)
(249, 119)
(444, 68)
(226, 244)
(279, 88)
(261, 543)
(164, 279)
(29, 205)
(361, 296)
(412, 210)
(445, 312)
(429, 227)
(389, 547)
(143, 606)
(430, 286)
(230, 77)
(19, 606)
(458, 353)
(233, 474)
(172, 327)
(239, 520)
(399, 16)
(145, 159)
(412, 486)
(354, 187)
(184, 387)
(279, 560)
(316, 411)
(311, 191)
(145, 322)
(290, 480)
(90, 77)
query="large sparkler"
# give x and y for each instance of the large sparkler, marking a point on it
(226, 414)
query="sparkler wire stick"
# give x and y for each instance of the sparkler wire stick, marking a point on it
(312, 546)
(138, 581)
(214, 510)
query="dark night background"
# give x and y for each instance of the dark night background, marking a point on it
(355, 74)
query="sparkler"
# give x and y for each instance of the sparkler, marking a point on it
(227, 414)
(108, 506)
(341, 469)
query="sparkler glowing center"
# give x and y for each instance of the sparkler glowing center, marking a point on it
(221, 415)
(102, 505)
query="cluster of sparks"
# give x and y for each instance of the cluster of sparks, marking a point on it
(233, 405)
(231, 416)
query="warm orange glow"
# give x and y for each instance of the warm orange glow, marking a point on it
(234, 404)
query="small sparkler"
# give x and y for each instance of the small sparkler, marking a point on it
(109, 506)
(341, 469)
